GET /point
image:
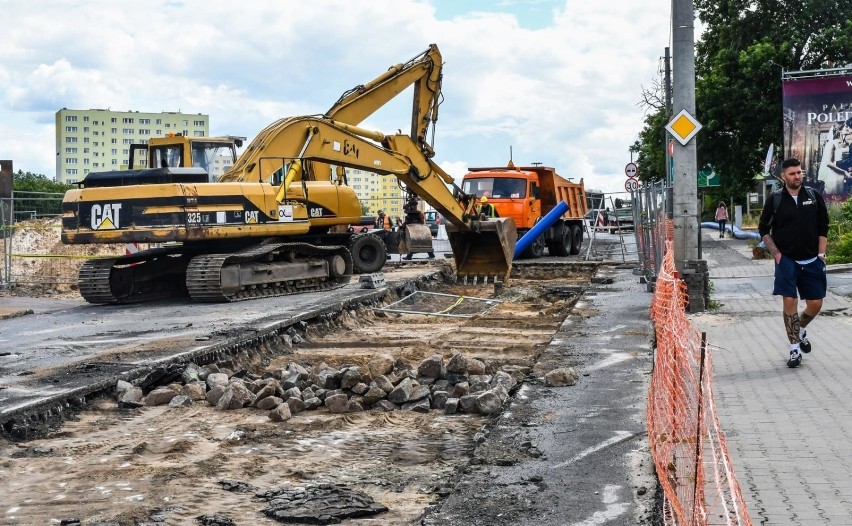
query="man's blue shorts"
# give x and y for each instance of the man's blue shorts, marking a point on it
(808, 279)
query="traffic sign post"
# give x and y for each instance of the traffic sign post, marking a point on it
(631, 170)
(631, 184)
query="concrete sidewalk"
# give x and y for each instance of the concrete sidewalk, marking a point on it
(788, 429)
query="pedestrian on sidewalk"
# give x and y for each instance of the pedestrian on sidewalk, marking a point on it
(721, 218)
(795, 232)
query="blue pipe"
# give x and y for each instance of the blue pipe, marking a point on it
(539, 228)
(737, 233)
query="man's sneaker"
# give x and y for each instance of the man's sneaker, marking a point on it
(804, 343)
(795, 358)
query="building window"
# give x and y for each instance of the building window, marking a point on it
(113, 131)
(86, 140)
(113, 120)
(167, 125)
(85, 150)
(198, 123)
(85, 172)
(127, 141)
(94, 122)
(71, 160)
(159, 121)
(70, 139)
(85, 160)
(70, 118)
(125, 151)
(96, 133)
(71, 129)
(86, 119)
(115, 161)
(70, 150)
(127, 131)
(159, 132)
(186, 123)
(113, 141)
(144, 121)
(70, 171)
(146, 131)
(127, 120)
(85, 129)
(198, 133)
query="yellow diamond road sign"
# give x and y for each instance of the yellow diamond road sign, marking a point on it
(683, 127)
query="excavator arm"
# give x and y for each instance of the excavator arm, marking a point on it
(481, 247)
(424, 71)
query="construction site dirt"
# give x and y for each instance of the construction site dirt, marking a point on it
(91, 460)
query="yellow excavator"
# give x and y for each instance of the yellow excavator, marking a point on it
(275, 223)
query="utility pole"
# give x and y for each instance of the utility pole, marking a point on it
(667, 97)
(685, 174)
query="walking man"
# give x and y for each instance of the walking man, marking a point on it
(795, 232)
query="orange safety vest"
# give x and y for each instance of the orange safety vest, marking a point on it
(385, 222)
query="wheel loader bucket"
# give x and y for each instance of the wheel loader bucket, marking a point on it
(485, 251)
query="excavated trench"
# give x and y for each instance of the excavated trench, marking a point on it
(196, 464)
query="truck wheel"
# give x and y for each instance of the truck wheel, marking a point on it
(561, 245)
(576, 239)
(536, 249)
(368, 253)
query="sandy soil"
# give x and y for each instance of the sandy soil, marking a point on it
(162, 465)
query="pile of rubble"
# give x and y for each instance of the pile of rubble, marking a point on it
(462, 384)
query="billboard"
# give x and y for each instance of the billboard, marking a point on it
(818, 128)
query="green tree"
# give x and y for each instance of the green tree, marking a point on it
(32, 193)
(739, 61)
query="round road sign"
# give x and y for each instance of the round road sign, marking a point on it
(631, 184)
(631, 170)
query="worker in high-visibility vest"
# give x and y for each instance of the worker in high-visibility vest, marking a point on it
(383, 221)
(487, 209)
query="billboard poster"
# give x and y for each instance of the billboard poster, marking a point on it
(818, 130)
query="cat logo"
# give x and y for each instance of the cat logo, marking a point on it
(251, 217)
(106, 217)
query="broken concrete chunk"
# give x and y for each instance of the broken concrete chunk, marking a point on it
(337, 403)
(380, 365)
(488, 403)
(439, 399)
(160, 396)
(133, 395)
(197, 391)
(419, 406)
(560, 377)
(373, 395)
(386, 405)
(280, 413)
(268, 403)
(121, 386)
(214, 394)
(312, 403)
(350, 378)
(431, 366)
(215, 379)
(457, 364)
(383, 383)
(360, 388)
(467, 403)
(452, 406)
(180, 401)
(297, 405)
(475, 366)
(402, 392)
(419, 393)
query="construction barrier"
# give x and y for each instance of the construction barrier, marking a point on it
(687, 443)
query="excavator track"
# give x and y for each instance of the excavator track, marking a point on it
(145, 276)
(263, 271)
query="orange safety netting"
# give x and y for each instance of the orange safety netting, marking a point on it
(687, 444)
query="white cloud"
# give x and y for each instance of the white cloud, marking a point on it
(563, 93)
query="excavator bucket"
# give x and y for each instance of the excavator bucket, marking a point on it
(486, 251)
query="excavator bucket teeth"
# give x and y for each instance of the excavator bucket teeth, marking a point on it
(485, 251)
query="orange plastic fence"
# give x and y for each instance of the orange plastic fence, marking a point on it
(687, 444)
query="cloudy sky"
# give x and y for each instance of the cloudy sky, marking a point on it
(557, 80)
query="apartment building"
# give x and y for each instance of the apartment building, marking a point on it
(99, 140)
(376, 192)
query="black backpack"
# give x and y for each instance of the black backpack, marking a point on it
(776, 201)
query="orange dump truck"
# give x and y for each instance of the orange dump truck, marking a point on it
(527, 194)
